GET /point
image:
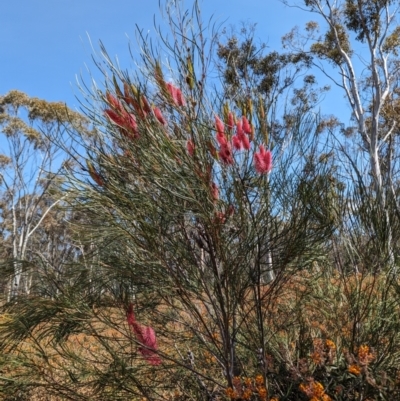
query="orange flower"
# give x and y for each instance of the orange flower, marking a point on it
(231, 393)
(318, 389)
(259, 380)
(330, 344)
(247, 394)
(313, 389)
(262, 392)
(354, 369)
(365, 356)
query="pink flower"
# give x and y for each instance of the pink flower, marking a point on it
(245, 142)
(146, 336)
(240, 140)
(214, 191)
(180, 98)
(219, 218)
(131, 124)
(237, 143)
(231, 120)
(219, 125)
(124, 120)
(114, 102)
(115, 117)
(221, 139)
(239, 128)
(145, 106)
(190, 147)
(246, 125)
(263, 161)
(159, 116)
(176, 94)
(225, 154)
(172, 91)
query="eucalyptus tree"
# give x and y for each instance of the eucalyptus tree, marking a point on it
(29, 182)
(356, 44)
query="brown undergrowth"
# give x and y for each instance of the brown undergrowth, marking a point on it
(328, 337)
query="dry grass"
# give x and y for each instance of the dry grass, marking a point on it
(315, 324)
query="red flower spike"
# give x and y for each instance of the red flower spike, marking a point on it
(146, 106)
(146, 336)
(131, 125)
(237, 143)
(172, 92)
(219, 125)
(231, 120)
(221, 139)
(176, 94)
(239, 128)
(180, 100)
(190, 147)
(114, 117)
(245, 142)
(159, 116)
(214, 191)
(263, 161)
(126, 121)
(114, 102)
(225, 154)
(246, 125)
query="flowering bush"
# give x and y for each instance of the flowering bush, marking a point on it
(211, 273)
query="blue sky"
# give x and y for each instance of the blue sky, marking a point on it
(44, 44)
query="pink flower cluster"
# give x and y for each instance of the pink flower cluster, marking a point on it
(119, 116)
(127, 121)
(241, 140)
(225, 150)
(176, 94)
(243, 129)
(146, 336)
(263, 160)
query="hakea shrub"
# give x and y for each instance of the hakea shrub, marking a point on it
(184, 162)
(188, 222)
(230, 266)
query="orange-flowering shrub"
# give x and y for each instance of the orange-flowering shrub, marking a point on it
(247, 388)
